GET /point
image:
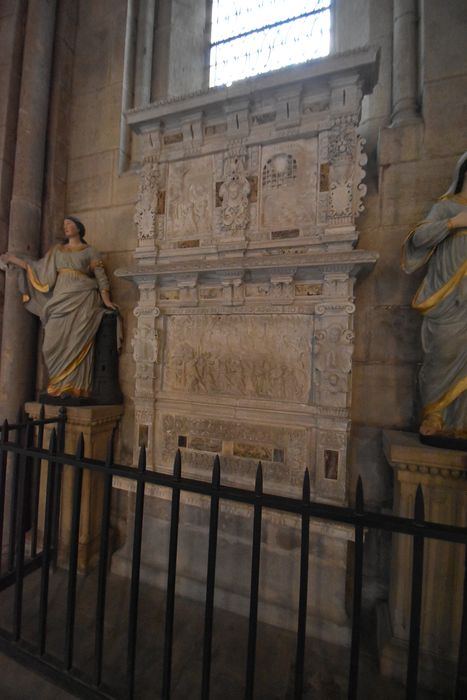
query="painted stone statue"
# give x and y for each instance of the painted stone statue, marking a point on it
(69, 290)
(440, 243)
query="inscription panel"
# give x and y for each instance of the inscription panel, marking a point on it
(263, 357)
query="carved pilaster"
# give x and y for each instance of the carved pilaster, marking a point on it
(234, 191)
(145, 344)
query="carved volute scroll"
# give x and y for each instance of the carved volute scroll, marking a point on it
(246, 244)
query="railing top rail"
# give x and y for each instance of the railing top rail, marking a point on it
(35, 421)
(323, 511)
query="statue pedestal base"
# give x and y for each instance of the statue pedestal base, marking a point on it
(442, 475)
(96, 423)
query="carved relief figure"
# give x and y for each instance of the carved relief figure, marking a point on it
(440, 242)
(189, 198)
(69, 290)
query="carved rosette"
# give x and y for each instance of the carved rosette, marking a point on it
(234, 191)
(146, 206)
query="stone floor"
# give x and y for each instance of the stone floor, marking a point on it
(326, 664)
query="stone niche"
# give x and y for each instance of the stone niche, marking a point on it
(246, 265)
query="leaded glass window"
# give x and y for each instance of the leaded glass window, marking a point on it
(249, 38)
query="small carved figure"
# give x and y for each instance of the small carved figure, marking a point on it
(69, 290)
(441, 242)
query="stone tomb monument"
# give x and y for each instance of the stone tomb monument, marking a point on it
(246, 265)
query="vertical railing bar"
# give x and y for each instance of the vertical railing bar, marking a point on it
(58, 484)
(73, 563)
(61, 429)
(303, 593)
(416, 600)
(103, 563)
(357, 595)
(36, 474)
(46, 545)
(20, 540)
(171, 579)
(461, 680)
(210, 580)
(254, 587)
(3, 472)
(135, 574)
(14, 494)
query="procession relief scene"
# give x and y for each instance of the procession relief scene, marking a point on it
(257, 357)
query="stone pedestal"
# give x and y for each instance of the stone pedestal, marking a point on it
(442, 475)
(96, 423)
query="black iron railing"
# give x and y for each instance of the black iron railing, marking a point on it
(25, 456)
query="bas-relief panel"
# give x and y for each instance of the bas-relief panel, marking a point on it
(190, 194)
(261, 356)
(288, 180)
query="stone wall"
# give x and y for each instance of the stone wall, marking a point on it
(412, 166)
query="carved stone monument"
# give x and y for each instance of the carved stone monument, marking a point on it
(246, 265)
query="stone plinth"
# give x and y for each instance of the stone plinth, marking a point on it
(443, 477)
(96, 423)
(327, 616)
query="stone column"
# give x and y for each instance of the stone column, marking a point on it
(405, 60)
(19, 328)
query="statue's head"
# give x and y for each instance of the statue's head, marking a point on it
(78, 226)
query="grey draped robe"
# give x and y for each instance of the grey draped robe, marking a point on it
(63, 290)
(441, 299)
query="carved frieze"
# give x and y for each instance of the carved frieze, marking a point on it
(242, 440)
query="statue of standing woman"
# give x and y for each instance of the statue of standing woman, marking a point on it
(69, 290)
(440, 243)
